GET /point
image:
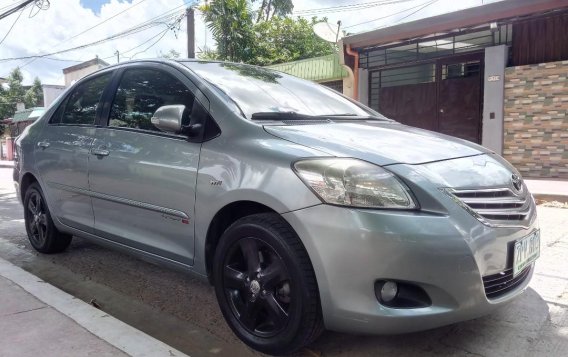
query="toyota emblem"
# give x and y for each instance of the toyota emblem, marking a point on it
(517, 182)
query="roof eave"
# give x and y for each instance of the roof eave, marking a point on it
(454, 20)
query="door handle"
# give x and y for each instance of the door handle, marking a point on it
(43, 144)
(100, 152)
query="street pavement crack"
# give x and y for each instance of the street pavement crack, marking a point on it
(24, 311)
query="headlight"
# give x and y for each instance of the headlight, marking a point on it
(354, 183)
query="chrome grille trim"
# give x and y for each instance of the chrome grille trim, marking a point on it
(499, 284)
(496, 207)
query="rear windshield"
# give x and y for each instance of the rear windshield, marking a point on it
(260, 90)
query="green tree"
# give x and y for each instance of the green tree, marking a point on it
(270, 8)
(34, 96)
(14, 93)
(3, 103)
(275, 39)
(283, 39)
(230, 22)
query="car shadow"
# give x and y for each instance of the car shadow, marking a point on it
(92, 268)
(514, 324)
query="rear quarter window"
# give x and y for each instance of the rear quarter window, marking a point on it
(80, 107)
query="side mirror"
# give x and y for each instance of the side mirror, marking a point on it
(168, 118)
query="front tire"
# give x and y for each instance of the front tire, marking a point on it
(43, 235)
(266, 286)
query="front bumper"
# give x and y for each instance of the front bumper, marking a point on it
(444, 254)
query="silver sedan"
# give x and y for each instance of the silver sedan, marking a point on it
(306, 210)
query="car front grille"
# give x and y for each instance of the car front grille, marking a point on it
(499, 284)
(495, 206)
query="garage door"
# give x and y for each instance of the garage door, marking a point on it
(443, 95)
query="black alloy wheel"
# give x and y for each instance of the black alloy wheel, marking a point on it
(37, 222)
(257, 284)
(266, 286)
(42, 233)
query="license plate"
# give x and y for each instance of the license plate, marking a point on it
(527, 249)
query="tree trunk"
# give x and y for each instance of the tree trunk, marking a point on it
(261, 11)
(268, 10)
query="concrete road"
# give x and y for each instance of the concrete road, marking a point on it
(182, 311)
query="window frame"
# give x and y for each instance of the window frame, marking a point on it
(65, 100)
(198, 95)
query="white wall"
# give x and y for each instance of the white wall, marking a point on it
(363, 86)
(51, 93)
(493, 98)
(74, 76)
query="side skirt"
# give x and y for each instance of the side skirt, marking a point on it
(143, 255)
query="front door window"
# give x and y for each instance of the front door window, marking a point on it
(141, 92)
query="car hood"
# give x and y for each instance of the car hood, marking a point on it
(377, 142)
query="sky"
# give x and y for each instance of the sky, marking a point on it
(63, 25)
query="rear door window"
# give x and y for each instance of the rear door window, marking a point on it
(80, 107)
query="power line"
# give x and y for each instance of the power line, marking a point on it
(152, 45)
(11, 5)
(143, 43)
(421, 6)
(16, 8)
(170, 27)
(79, 34)
(41, 5)
(414, 12)
(100, 23)
(158, 20)
(11, 27)
(60, 59)
(350, 7)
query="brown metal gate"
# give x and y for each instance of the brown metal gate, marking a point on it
(443, 95)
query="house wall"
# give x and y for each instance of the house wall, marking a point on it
(51, 93)
(74, 76)
(363, 89)
(536, 119)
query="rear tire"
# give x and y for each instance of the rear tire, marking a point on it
(43, 235)
(266, 286)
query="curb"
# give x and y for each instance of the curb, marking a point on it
(548, 197)
(126, 338)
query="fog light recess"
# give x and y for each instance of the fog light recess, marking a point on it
(389, 291)
(401, 295)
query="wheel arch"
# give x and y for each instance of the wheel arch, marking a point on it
(25, 183)
(226, 216)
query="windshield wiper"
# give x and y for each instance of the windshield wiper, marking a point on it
(349, 116)
(299, 116)
(338, 115)
(284, 116)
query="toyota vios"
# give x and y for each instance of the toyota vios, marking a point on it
(306, 210)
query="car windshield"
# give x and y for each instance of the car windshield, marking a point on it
(261, 92)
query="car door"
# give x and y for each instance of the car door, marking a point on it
(143, 180)
(62, 153)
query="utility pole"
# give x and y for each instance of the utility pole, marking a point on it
(190, 32)
(117, 56)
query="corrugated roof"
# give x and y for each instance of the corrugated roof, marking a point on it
(28, 114)
(320, 69)
(448, 22)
